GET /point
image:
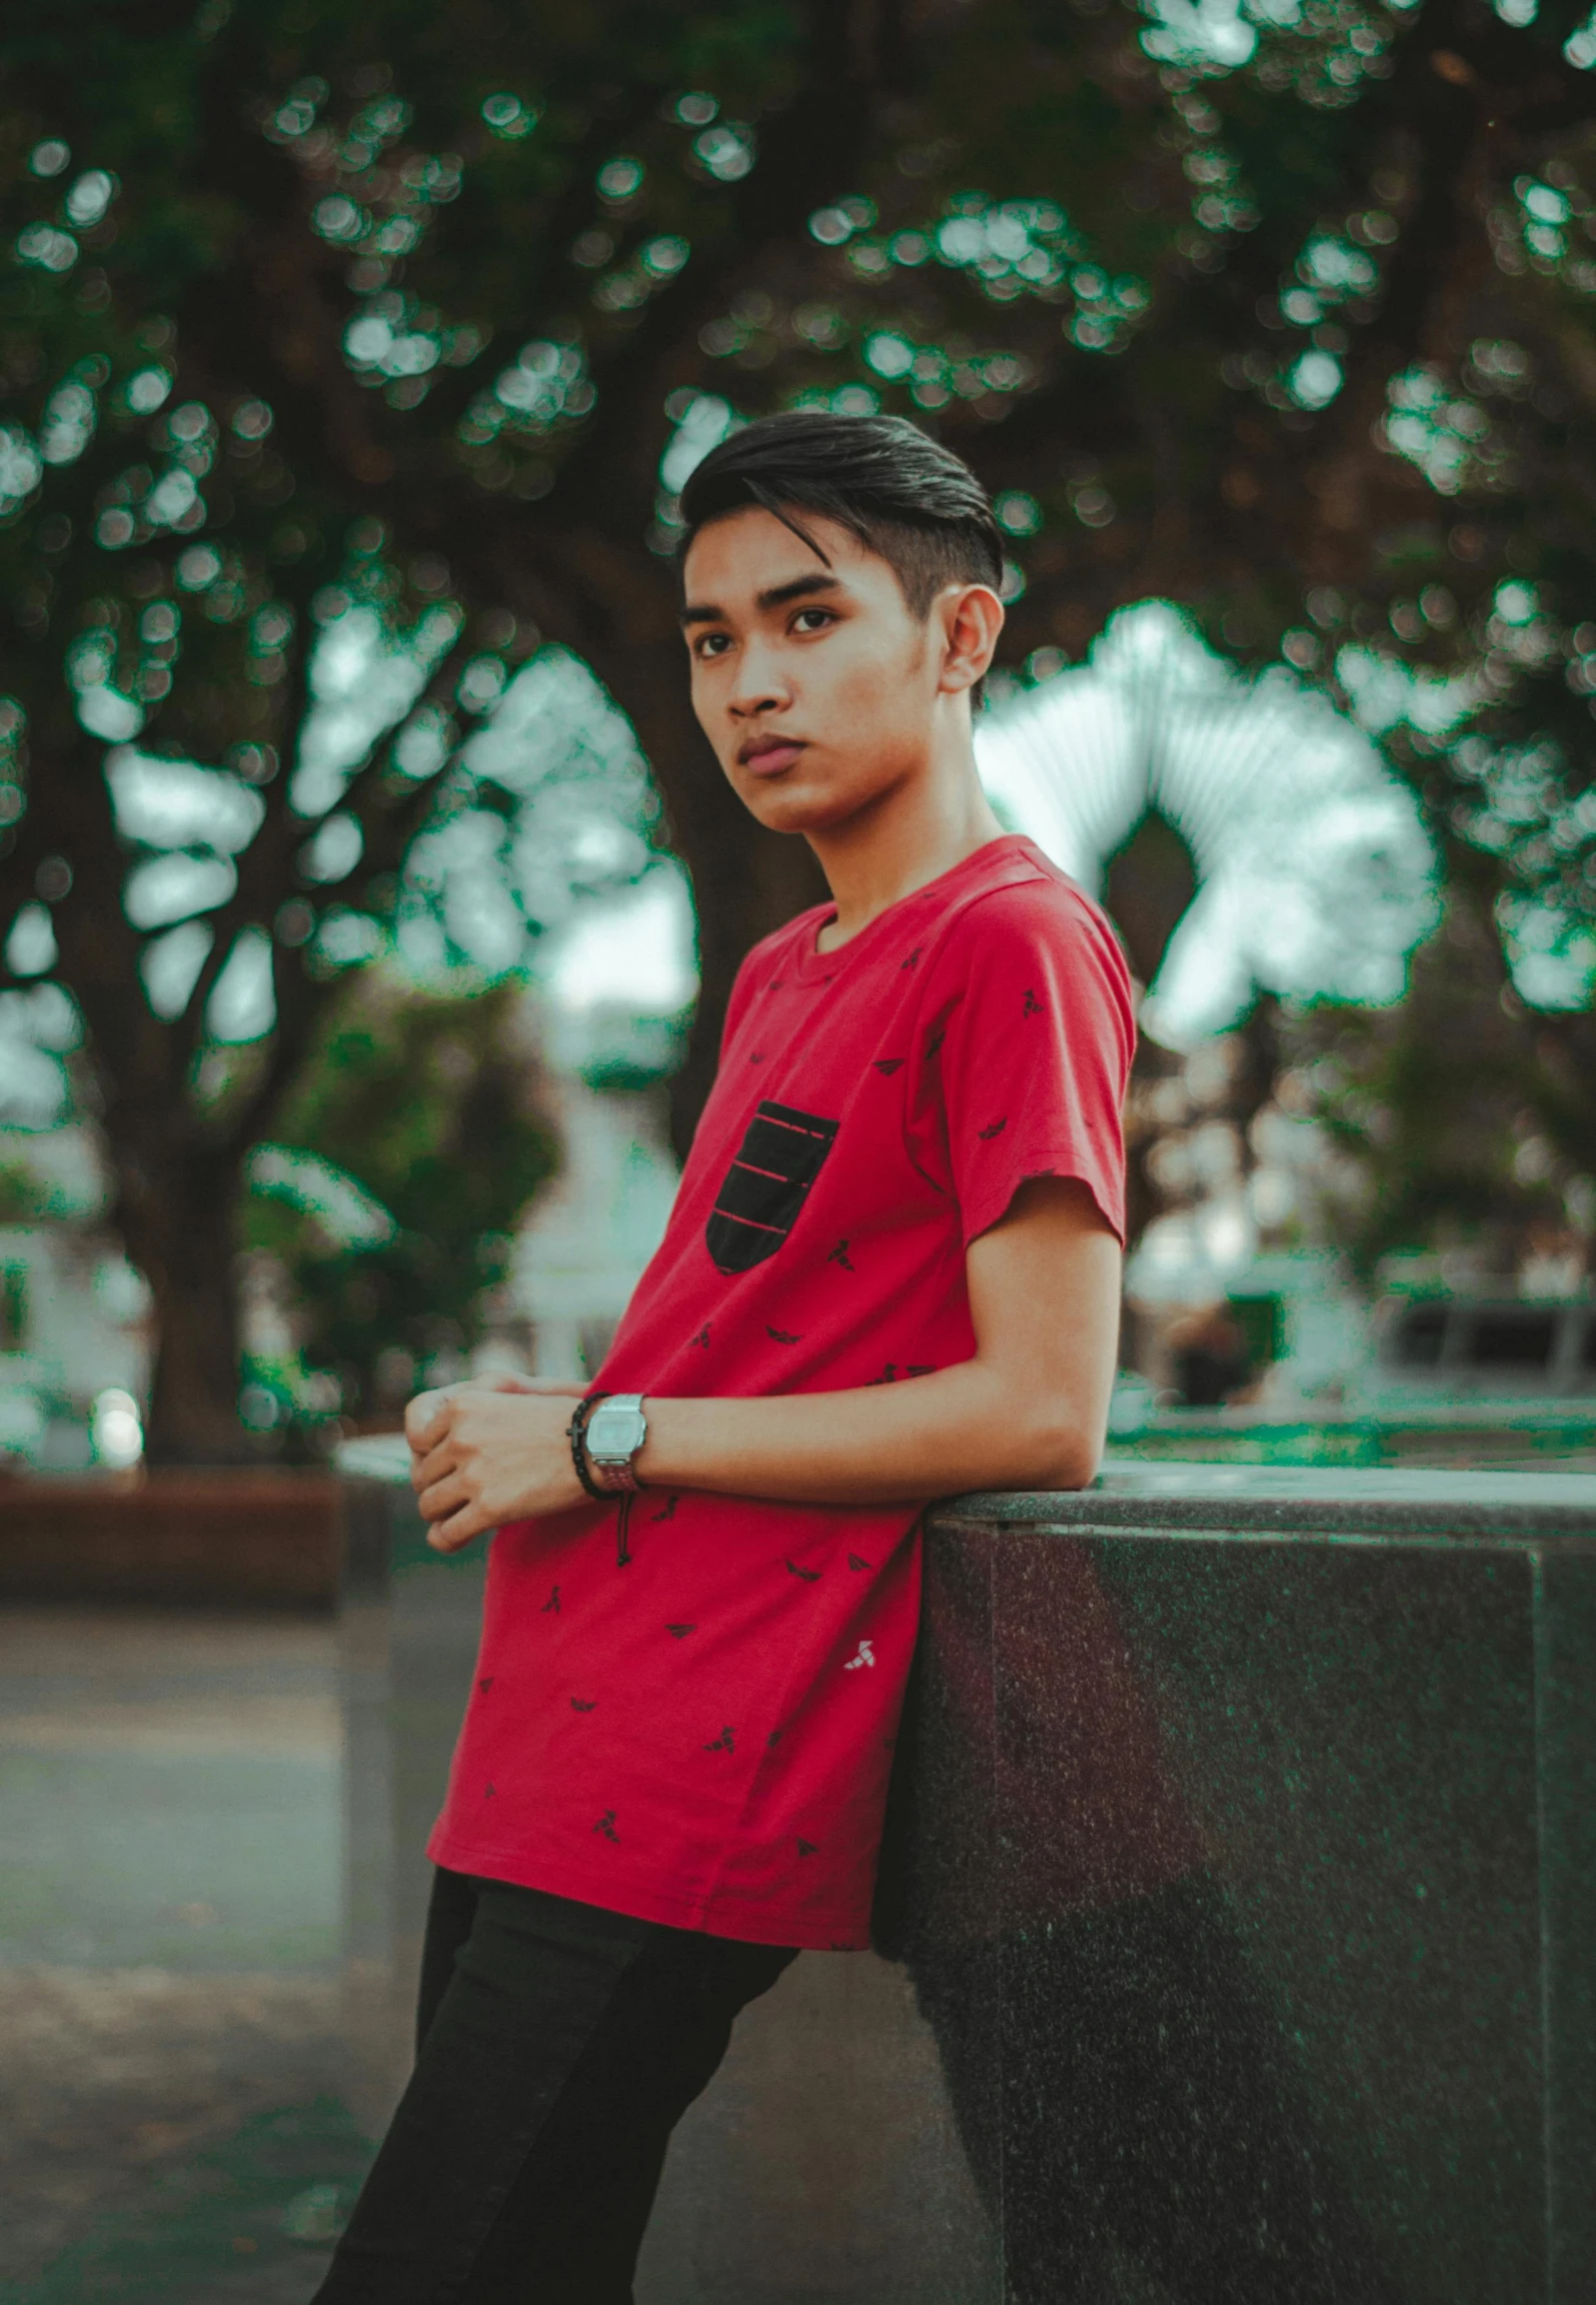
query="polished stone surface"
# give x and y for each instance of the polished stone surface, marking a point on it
(1240, 1894)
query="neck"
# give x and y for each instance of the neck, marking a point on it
(932, 819)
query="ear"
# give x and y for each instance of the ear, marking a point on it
(970, 617)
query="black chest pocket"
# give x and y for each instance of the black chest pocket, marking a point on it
(757, 1206)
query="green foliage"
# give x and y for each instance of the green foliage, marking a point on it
(23, 1198)
(1471, 1123)
(1282, 312)
(428, 1104)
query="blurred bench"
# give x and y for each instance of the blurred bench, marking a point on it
(224, 1539)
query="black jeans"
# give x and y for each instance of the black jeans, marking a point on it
(557, 2047)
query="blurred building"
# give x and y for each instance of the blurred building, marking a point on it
(590, 1233)
(75, 1338)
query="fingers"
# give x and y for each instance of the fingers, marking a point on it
(433, 1465)
(440, 1498)
(426, 1419)
(450, 1535)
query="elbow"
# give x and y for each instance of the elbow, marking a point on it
(1060, 1455)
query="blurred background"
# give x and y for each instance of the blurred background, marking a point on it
(369, 901)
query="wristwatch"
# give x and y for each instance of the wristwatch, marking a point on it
(615, 1433)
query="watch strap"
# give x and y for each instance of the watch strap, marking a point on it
(617, 1478)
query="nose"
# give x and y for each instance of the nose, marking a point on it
(761, 685)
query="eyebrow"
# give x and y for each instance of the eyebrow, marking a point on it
(797, 589)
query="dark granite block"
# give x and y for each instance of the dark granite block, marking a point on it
(1348, 1950)
(1565, 1682)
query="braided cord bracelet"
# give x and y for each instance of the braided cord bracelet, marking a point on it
(576, 1435)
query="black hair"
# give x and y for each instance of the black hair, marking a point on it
(903, 496)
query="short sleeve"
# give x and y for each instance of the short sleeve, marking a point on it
(1025, 1037)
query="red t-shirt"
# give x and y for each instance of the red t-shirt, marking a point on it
(687, 1712)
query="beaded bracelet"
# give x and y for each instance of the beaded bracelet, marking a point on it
(576, 1435)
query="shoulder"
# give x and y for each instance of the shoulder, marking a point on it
(1041, 917)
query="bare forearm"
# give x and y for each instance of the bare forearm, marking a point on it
(1026, 1411)
(964, 1427)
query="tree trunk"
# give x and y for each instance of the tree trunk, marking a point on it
(746, 883)
(178, 1218)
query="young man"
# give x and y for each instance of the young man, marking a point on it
(891, 1274)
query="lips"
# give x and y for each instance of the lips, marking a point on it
(769, 756)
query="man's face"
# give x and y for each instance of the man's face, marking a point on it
(815, 684)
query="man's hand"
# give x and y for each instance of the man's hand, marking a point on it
(481, 1454)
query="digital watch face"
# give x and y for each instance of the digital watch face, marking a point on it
(615, 1433)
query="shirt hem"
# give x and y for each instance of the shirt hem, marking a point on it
(718, 1916)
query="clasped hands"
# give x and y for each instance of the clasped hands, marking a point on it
(488, 1451)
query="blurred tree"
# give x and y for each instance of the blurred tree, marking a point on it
(1278, 307)
(429, 1104)
(1147, 887)
(1470, 1119)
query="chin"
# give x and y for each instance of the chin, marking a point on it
(800, 811)
(814, 805)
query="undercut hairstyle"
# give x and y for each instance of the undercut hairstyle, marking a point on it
(906, 497)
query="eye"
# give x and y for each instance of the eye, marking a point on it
(812, 619)
(711, 644)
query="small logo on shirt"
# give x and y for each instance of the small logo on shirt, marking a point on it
(726, 1743)
(913, 959)
(889, 1064)
(487, 1791)
(1032, 1005)
(583, 1704)
(784, 1335)
(841, 1256)
(807, 1848)
(997, 1128)
(866, 1656)
(551, 1607)
(486, 1683)
(667, 1511)
(809, 1575)
(775, 984)
(607, 1826)
(889, 1376)
(681, 1631)
(934, 1040)
(858, 1560)
(703, 1337)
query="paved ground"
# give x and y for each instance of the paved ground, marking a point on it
(170, 2129)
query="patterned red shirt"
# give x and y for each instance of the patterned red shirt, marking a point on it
(685, 1709)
